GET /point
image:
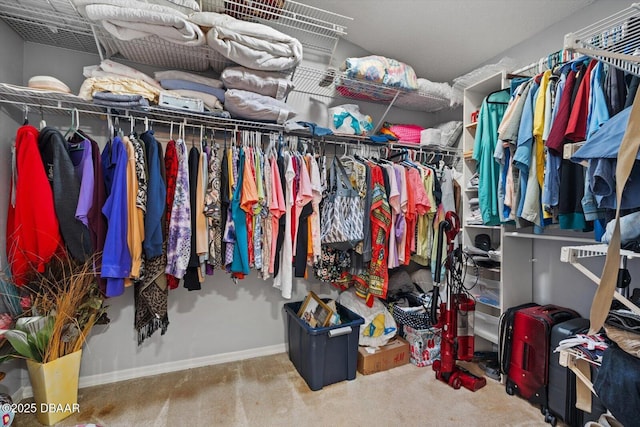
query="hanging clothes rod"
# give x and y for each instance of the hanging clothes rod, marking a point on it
(545, 63)
(22, 99)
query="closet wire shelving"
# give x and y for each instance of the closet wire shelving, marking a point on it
(614, 40)
(46, 102)
(58, 23)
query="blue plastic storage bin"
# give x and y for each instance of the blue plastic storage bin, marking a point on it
(326, 355)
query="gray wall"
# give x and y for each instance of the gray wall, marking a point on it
(10, 72)
(551, 39)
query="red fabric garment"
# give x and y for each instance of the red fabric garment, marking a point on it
(33, 233)
(171, 170)
(555, 140)
(577, 126)
(380, 228)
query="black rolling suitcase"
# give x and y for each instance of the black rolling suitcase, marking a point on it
(562, 381)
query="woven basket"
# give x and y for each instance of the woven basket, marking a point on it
(416, 320)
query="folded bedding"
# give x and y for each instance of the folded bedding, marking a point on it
(268, 83)
(117, 97)
(131, 19)
(253, 106)
(191, 77)
(142, 103)
(250, 44)
(184, 6)
(108, 68)
(118, 85)
(175, 84)
(119, 100)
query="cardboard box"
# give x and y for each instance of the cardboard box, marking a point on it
(395, 353)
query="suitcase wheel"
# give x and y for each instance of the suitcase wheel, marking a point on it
(551, 419)
(548, 416)
(510, 391)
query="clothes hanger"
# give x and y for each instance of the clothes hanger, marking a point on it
(203, 138)
(487, 98)
(43, 123)
(132, 127)
(26, 115)
(75, 123)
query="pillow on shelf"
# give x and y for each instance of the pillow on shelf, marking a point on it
(48, 83)
(247, 105)
(124, 70)
(451, 132)
(190, 77)
(176, 84)
(267, 83)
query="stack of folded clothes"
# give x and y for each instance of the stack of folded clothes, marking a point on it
(120, 101)
(475, 216)
(194, 86)
(118, 86)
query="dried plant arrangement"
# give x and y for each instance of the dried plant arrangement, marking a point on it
(60, 307)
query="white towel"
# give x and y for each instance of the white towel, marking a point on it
(131, 19)
(253, 45)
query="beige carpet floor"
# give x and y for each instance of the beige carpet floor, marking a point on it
(268, 391)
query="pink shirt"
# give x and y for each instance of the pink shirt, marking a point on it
(276, 208)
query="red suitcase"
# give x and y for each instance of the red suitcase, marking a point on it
(528, 373)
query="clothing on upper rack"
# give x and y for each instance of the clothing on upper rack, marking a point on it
(491, 112)
(66, 185)
(33, 232)
(536, 186)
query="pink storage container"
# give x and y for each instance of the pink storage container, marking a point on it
(407, 133)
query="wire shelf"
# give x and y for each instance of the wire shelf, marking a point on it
(614, 40)
(48, 102)
(332, 83)
(573, 253)
(54, 22)
(58, 23)
(315, 28)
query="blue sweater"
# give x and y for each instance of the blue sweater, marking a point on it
(116, 258)
(156, 199)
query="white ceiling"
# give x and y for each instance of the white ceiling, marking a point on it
(444, 39)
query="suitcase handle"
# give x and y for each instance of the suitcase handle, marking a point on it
(528, 354)
(558, 314)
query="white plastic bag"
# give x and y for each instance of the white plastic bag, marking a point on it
(367, 337)
(347, 119)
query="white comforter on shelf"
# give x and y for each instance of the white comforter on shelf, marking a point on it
(131, 19)
(253, 45)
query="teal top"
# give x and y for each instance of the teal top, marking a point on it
(491, 113)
